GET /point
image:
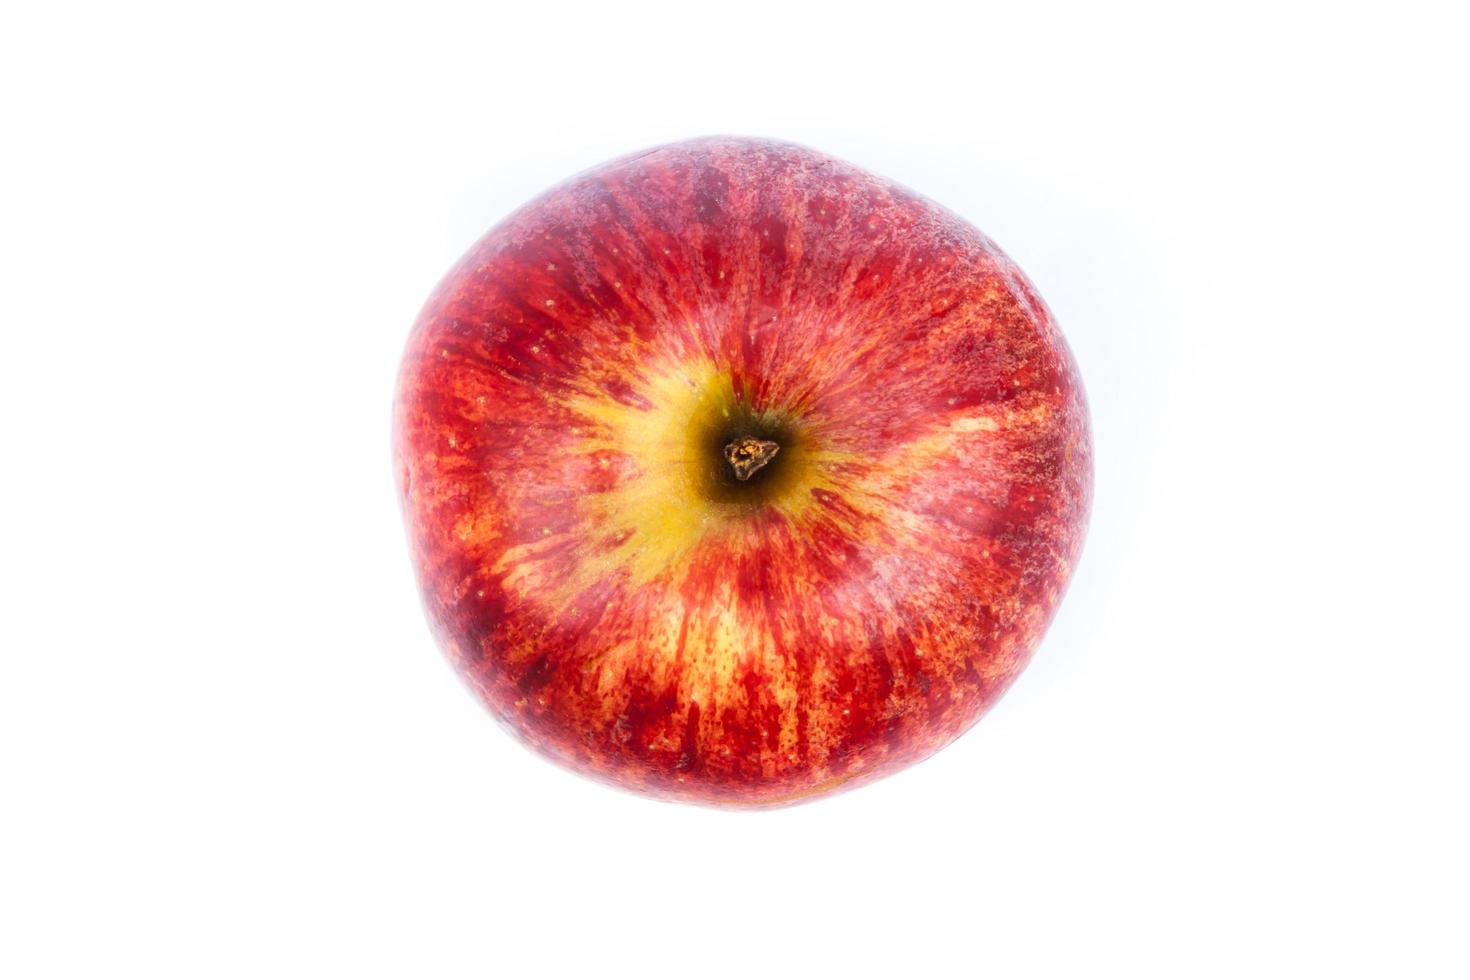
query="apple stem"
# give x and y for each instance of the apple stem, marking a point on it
(748, 455)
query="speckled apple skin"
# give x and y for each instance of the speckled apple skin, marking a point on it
(561, 382)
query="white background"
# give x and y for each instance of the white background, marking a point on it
(228, 747)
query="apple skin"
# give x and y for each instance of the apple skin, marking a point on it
(627, 609)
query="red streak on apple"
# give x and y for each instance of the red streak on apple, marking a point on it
(569, 407)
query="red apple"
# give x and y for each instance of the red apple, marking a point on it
(735, 474)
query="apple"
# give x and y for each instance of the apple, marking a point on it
(734, 474)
